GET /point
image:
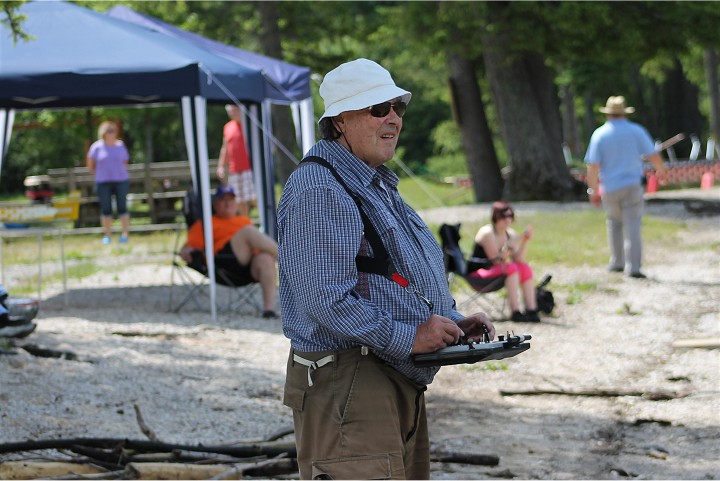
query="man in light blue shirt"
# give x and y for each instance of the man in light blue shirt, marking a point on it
(358, 400)
(614, 161)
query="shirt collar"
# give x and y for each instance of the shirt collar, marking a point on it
(355, 170)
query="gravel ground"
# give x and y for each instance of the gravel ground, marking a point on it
(198, 381)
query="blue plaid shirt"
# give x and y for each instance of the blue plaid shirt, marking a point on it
(326, 303)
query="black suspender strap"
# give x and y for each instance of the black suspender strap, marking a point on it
(381, 263)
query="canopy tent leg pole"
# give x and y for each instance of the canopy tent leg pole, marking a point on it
(307, 121)
(257, 164)
(268, 173)
(64, 267)
(298, 124)
(7, 118)
(194, 122)
(39, 243)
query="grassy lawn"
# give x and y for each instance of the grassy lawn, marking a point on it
(574, 238)
(567, 238)
(84, 255)
(421, 194)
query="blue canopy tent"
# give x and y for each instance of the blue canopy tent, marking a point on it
(284, 83)
(82, 58)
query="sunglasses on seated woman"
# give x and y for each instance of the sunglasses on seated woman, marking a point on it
(383, 109)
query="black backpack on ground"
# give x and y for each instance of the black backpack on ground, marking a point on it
(545, 298)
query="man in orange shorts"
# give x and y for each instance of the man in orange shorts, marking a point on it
(240, 248)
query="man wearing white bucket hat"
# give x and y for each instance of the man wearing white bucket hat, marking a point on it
(614, 160)
(362, 288)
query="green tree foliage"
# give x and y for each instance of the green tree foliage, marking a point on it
(651, 52)
(13, 21)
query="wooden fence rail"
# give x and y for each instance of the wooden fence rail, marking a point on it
(158, 184)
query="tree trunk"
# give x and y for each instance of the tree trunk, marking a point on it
(477, 141)
(680, 110)
(589, 120)
(529, 121)
(281, 115)
(571, 129)
(713, 86)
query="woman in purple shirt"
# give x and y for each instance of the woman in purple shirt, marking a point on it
(108, 159)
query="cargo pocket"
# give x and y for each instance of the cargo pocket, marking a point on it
(294, 398)
(381, 466)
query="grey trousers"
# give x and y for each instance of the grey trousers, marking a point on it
(360, 419)
(624, 211)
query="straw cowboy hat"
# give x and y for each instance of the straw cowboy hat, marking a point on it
(616, 106)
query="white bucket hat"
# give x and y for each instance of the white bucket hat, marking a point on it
(356, 85)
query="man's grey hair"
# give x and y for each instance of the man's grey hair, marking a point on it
(328, 130)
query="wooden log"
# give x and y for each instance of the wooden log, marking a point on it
(280, 434)
(272, 468)
(175, 471)
(465, 458)
(653, 396)
(708, 342)
(114, 459)
(265, 469)
(241, 451)
(44, 470)
(105, 456)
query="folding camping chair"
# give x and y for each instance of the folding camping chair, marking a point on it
(239, 295)
(474, 290)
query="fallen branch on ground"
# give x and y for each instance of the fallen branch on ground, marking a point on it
(466, 458)
(652, 396)
(709, 343)
(44, 470)
(242, 451)
(146, 430)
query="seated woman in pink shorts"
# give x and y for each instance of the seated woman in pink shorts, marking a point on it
(506, 250)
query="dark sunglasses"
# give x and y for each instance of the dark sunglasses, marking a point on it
(383, 109)
(508, 215)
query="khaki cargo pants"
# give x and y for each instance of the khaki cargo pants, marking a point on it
(356, 417)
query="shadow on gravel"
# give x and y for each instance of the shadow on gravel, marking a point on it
(150, 304)
(533, 442)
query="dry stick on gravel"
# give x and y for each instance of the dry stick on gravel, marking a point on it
(45, 470)
(241, 451)
(144, 427)
(466, 458)
(280, 434)
(245, 468)
(108, 475)
(652, 396)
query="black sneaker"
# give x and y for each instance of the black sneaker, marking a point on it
(615, 269)
(518, 316)
(638, 275)
(532, 316)
(269, 314)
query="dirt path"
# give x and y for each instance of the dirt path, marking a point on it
(217, 383)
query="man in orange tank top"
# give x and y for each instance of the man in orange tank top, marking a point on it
(240, 248)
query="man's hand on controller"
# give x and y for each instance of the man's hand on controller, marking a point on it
(476, 325)
(435, 333)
